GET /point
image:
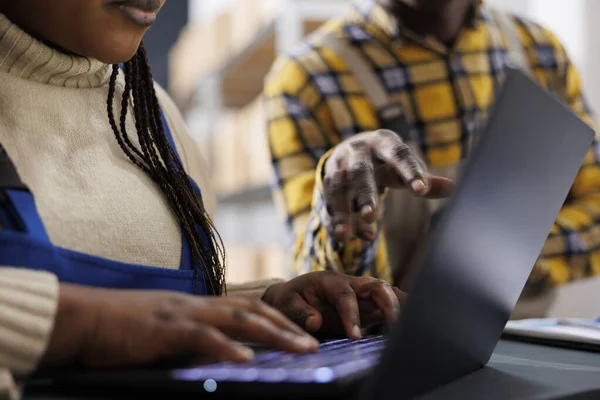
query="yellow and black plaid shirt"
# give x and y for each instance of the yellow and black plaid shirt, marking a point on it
(314, 102)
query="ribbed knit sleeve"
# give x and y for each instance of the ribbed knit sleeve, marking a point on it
(28, 303)
(8, 389)
(251, 290)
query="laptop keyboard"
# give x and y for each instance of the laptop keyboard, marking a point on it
(335, 359)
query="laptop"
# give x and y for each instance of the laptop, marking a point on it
(471, 273)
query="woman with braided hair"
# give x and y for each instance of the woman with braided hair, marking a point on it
(105, 210)
(158, 159)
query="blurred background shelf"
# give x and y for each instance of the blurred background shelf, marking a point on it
(239, 46)
(193, 65)
(256, 194)
(216, 72)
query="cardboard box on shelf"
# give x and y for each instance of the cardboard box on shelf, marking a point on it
(243, 118)
(269, 10)
(205, 146)
(274, 263)
(242, 263)
(250, 19)
(240, 43)
(228, 155)
(222, 37)
(200, 50)
(246, 263)
(241, 157)
(259, 156)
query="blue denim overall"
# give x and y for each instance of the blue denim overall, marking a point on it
(24, 243)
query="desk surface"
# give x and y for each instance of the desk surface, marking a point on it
(516, 371)
(526, 371)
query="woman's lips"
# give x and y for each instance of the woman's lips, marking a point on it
(140, 12)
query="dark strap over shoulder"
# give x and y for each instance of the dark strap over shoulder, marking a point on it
(9, 178)
(389, 112)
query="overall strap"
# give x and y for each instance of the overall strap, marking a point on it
(17, 206)
(9, 178)
(169, 136)
(390, 113)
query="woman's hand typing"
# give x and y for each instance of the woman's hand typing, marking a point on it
(330, 304)
(102, 327)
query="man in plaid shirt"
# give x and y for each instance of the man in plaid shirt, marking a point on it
(441, 62)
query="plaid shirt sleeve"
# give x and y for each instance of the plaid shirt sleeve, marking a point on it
(572, 250)
(301, 132)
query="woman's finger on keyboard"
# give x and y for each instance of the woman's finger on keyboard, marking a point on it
(379, 292)
(297, 309)
(243, 322)
(342, 297)
(369, 314)
(275, 316)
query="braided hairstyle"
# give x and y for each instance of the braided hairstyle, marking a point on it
(158, 159)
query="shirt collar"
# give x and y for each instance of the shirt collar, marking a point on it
(371, 12)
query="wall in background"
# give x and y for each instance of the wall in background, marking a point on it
(162, 35)
(592, 53)
(575, 22)
(566, 20)
(203, 10)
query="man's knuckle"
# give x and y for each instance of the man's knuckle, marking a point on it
(366, 280)
(413, 163)
(176, 299)
(337, 185)
(386, 133)
(359, 146)
(382, 282)
(401, 151)
(360, 170)
(346, 292)
(364, 196)
(286, 302)
(165, 314)
(196, 333)
(240, 316)
(257, 305)
(300, 314)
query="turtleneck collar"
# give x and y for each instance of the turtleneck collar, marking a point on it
(26, 57)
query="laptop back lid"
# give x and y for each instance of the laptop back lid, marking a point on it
(478, 257)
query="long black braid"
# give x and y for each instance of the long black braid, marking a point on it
(159, 160)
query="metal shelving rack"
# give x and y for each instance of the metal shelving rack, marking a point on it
(247, 216)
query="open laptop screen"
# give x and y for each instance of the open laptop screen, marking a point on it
(481, 252)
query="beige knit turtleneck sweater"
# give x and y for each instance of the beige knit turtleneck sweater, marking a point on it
(91, 198)
(54, 126)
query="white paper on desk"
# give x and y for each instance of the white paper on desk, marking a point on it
(554, 329)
